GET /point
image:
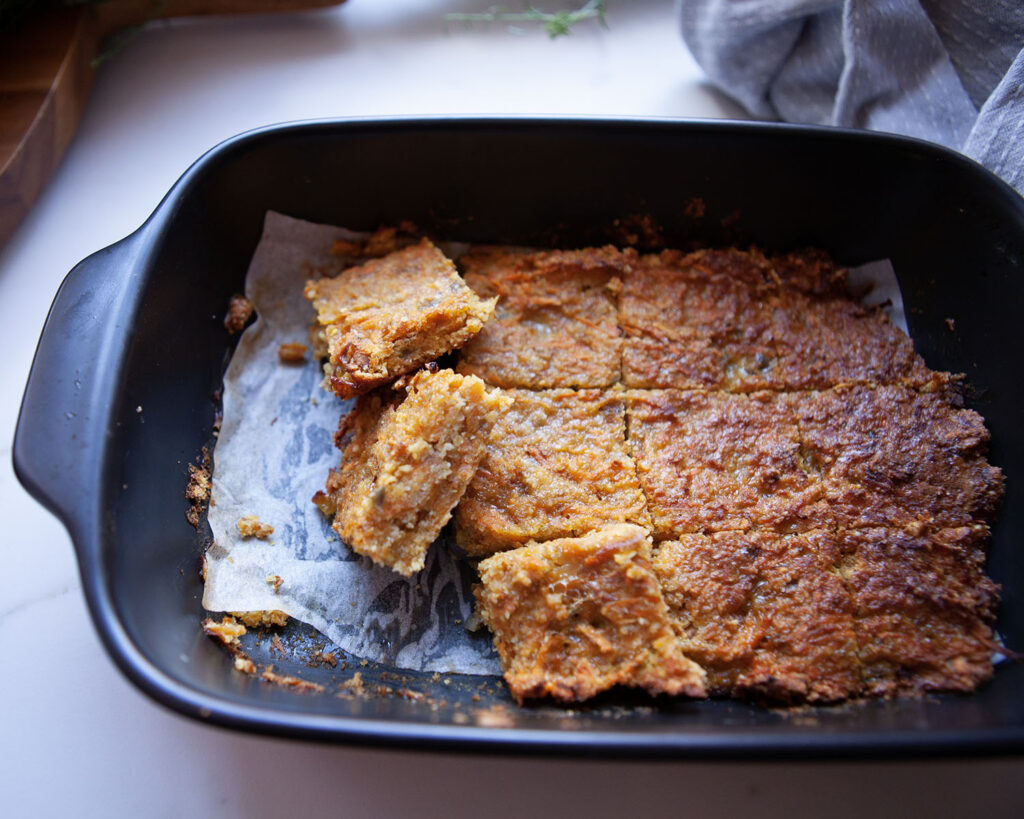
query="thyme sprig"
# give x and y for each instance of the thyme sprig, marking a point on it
(556, 23)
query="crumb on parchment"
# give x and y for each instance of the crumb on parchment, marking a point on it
(292, 352)
(250, 526)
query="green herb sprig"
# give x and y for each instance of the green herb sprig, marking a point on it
(556, 23)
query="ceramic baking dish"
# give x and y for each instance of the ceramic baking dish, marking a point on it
(122, 392)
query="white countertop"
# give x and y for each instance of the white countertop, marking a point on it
(76, 736)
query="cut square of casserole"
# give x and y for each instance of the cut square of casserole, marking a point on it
(739, 321)
(896, 456)
(765, 614)
(715, 461)
(557, 466)
(924, 608)
(821, 343)
(685, 316)
(577, 616)
(389, 316)
(405, 465)
(555, 324)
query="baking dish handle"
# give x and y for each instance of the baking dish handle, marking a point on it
(61, 429)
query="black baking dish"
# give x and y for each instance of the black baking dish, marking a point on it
(120, 397)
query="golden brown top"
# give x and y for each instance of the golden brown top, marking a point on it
(924, 608)
(894, 456)
(738, 321)
(714, 461)
(763, 613)
(851, 457)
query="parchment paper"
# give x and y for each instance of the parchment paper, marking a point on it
(274, 452)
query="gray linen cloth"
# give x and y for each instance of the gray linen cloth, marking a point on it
(949, 71)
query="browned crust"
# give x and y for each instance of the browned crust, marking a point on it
(575, 617)
(924, 608)
(389, 316)
(713, 461)
(557, 466)
(763, 613)
(893, 456)
(849, 457)
(823, 616)
(739, 321)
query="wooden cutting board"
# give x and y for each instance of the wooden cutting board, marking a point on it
(45, 75)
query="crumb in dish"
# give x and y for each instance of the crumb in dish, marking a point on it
(265, 619)
(227, 631)
(240, 310)
(197, 492)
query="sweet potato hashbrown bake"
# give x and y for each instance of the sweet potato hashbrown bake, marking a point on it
(817, 497)
(709, 473)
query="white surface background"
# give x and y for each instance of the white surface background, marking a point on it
(75, 737)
